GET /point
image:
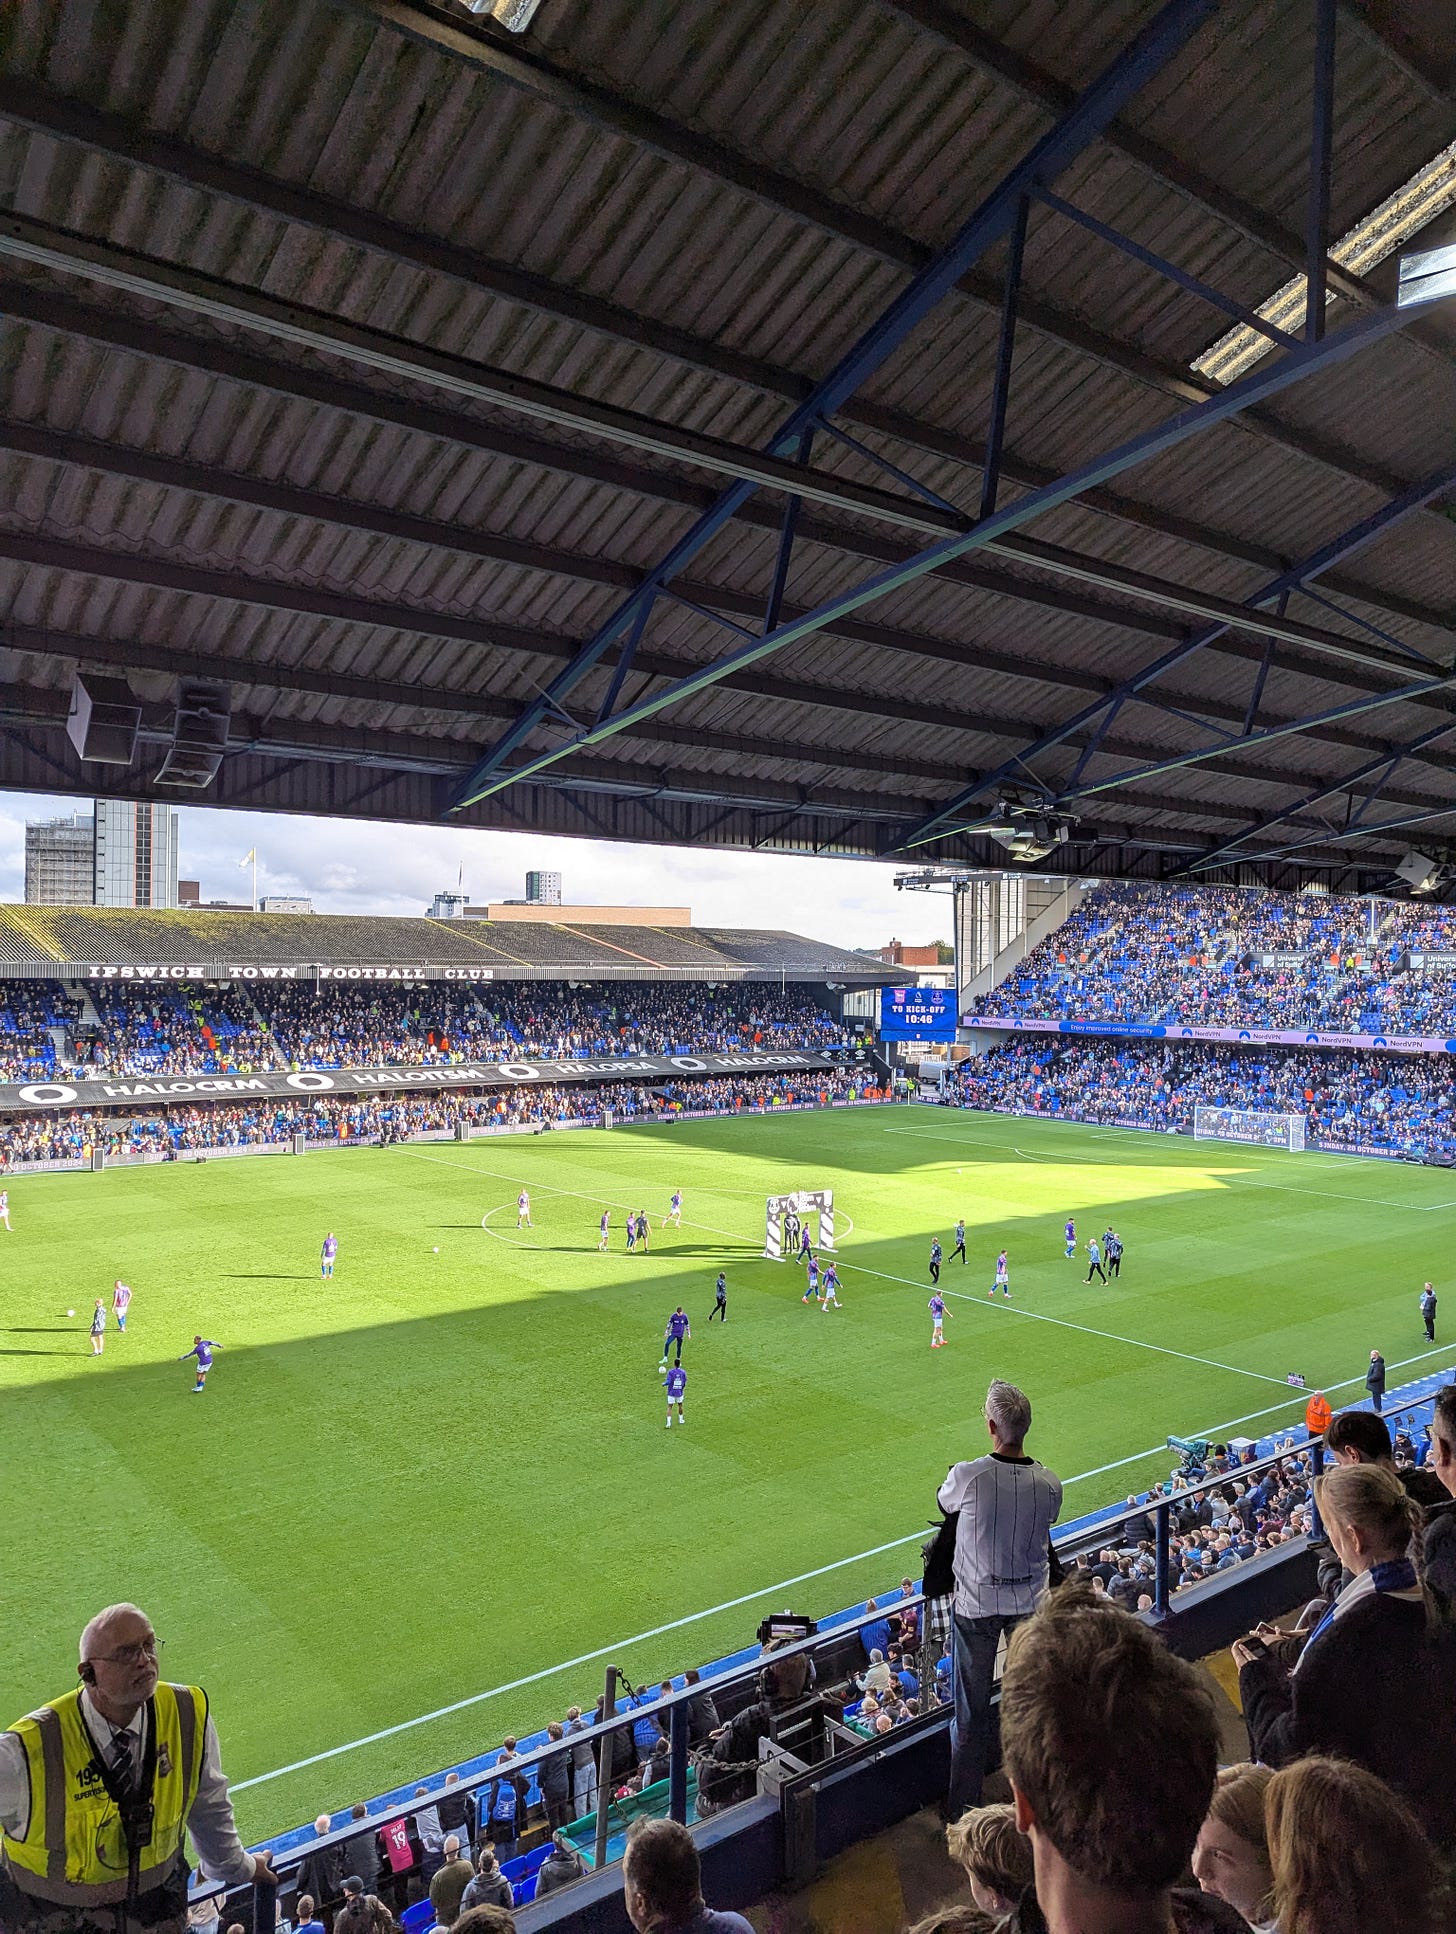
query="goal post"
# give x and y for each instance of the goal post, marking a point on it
(1214, 1124)
(803, 1203)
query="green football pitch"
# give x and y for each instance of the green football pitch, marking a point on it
(446, 1472)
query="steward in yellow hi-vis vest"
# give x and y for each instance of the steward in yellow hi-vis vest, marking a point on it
(100, 1789)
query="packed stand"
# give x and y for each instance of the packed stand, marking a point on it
(175, 1028)
(1194, 957)
(70, 1135)
(1396, 1104)
(29, 1012)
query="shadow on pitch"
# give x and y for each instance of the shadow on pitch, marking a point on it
(38, 1329)
(243, 1276)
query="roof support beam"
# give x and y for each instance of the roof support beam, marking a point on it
(238, 365)
(1274, 592)
(1262, 383)
(34, 107)
(531, 71)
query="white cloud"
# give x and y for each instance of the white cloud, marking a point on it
(354, 866)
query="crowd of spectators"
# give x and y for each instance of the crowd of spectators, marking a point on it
(1398, 1104)
(1338, 1823)
(1241, 958)
(70, 1135)
(176, 1028)
(29, 1014)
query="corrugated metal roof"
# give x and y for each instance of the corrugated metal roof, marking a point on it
(697, 270)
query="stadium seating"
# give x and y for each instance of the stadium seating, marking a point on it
(1227, 957)
(71, 1135)
(1378, 1103)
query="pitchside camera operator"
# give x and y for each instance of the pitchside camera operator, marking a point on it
(99, 1788)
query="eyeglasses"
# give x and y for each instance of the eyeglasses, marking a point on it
(130, 1654)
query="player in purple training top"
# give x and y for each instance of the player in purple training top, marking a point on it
(811, 1288)
(677, 1382)
(674, 1214)
(120, 1303)
(938, 1314)
(678, 1327)
(326, 1256)
(806, 1247)
(604, 1229)
(523, 1211)
(202, 1349)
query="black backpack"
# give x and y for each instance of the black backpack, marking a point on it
(938, 1558)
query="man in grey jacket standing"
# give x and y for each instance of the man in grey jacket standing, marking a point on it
(1007, 1504)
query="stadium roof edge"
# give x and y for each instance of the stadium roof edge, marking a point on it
(139, 944)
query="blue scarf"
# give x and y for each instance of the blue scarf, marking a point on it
(1390, 1575)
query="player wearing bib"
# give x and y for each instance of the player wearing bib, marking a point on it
(1112, 1249)
(644, 1229)
(720, 1294)
(935, 1259)
(937, 1309)
(1003, 1277)
(678, 1327)
(5, 1207)
(121, 1303)
(1071, 1234)
(674, 1214)
(202, 1349)
(960, 1241)
(1094, 1261)
(830, 1292)
(677, 1383)
(98, 1328)
(523, 1211)
(812, 1288)
(327, 1254)
(605, 1228)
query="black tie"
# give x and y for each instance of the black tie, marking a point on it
(123, 1762)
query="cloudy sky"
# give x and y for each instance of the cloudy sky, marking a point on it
(349, 866)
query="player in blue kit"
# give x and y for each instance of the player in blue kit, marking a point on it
(326, 1256)
(1003, 1277)
(1094, 1261)
(202, 1349)
(604, 1229)
(812, 1287)
(678, 1327)
(677, 1383)
(674, 1214)
(1071, 1235)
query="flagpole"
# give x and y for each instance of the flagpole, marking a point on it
(255, 879)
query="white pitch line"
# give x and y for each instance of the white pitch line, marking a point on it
(748, 1598)
(1006, 1308)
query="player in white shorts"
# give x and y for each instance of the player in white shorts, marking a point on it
(1003, 1278)
(604, 1229)
(5, 1208)
(829, 1288)
(523, 1211)
(674, 1213)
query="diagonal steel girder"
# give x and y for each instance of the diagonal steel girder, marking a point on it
(1386, 762)
(1262, 383)
(1150, 50)
(1380, 521)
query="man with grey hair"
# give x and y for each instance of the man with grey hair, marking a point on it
(100, 1788)
(1006, 1504)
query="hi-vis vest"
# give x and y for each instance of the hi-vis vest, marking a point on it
(74, 1851)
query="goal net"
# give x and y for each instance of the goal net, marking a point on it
(787, 1215)
(1248, 1125)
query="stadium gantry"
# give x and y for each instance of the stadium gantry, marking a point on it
(822, 429)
